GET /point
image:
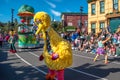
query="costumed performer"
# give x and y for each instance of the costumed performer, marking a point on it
(59, 56)
(12, 40)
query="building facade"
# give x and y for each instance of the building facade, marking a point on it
(103, 13)
(75, 19)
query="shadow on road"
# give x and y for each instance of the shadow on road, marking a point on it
(3, 56)
(117, 59)
(97, 70)
(11, 69)
(6, 71)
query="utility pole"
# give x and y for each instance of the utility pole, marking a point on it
(81, 10)
(63, 26)
(12, 16)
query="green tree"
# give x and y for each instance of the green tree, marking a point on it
(57, 25)
(16, 24)
(7, 26)
(1, 26)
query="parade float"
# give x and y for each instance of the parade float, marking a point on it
(26, 36)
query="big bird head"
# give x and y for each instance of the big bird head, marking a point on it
(42, 20)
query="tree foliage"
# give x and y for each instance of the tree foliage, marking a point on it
(57, 26)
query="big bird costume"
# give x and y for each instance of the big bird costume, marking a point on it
(61, 55)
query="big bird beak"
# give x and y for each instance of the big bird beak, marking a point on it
(39, 29)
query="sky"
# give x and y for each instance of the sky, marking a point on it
(53, 7)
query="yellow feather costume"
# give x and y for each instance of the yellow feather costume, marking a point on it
(58, 45)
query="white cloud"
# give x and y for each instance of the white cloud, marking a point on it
(56, 13)
(51, 4)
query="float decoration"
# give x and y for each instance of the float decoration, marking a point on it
(26, 12)
(26, 36)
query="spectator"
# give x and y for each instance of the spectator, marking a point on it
(112, 49)
(1, 40)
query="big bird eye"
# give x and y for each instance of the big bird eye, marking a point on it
(37, 22)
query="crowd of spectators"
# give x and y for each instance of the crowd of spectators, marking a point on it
(85, 42)
(89, 42)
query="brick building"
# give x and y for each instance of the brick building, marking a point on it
(74, 19)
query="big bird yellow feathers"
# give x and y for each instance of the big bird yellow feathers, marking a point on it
(58, 45)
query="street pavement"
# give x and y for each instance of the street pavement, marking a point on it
(25, 65)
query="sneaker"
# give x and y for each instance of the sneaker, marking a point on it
(106, 62)
(116, 55)
(10, 50)
(73, 48)
(86, 50)
(14, 51)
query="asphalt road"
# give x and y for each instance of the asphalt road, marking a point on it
(25, 65)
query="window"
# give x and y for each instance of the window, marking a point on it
(102, 25)
(115, 4)
(93, 27)
(93, 9)
(102, 6)
(70, 24)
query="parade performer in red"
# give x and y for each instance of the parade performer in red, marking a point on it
(57, 51)
(12, 39)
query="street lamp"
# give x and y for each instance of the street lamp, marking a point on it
(81, 10)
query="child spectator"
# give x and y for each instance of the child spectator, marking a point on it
(115, 37)
(112, 49)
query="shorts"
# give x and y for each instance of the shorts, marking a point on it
(100, 50)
